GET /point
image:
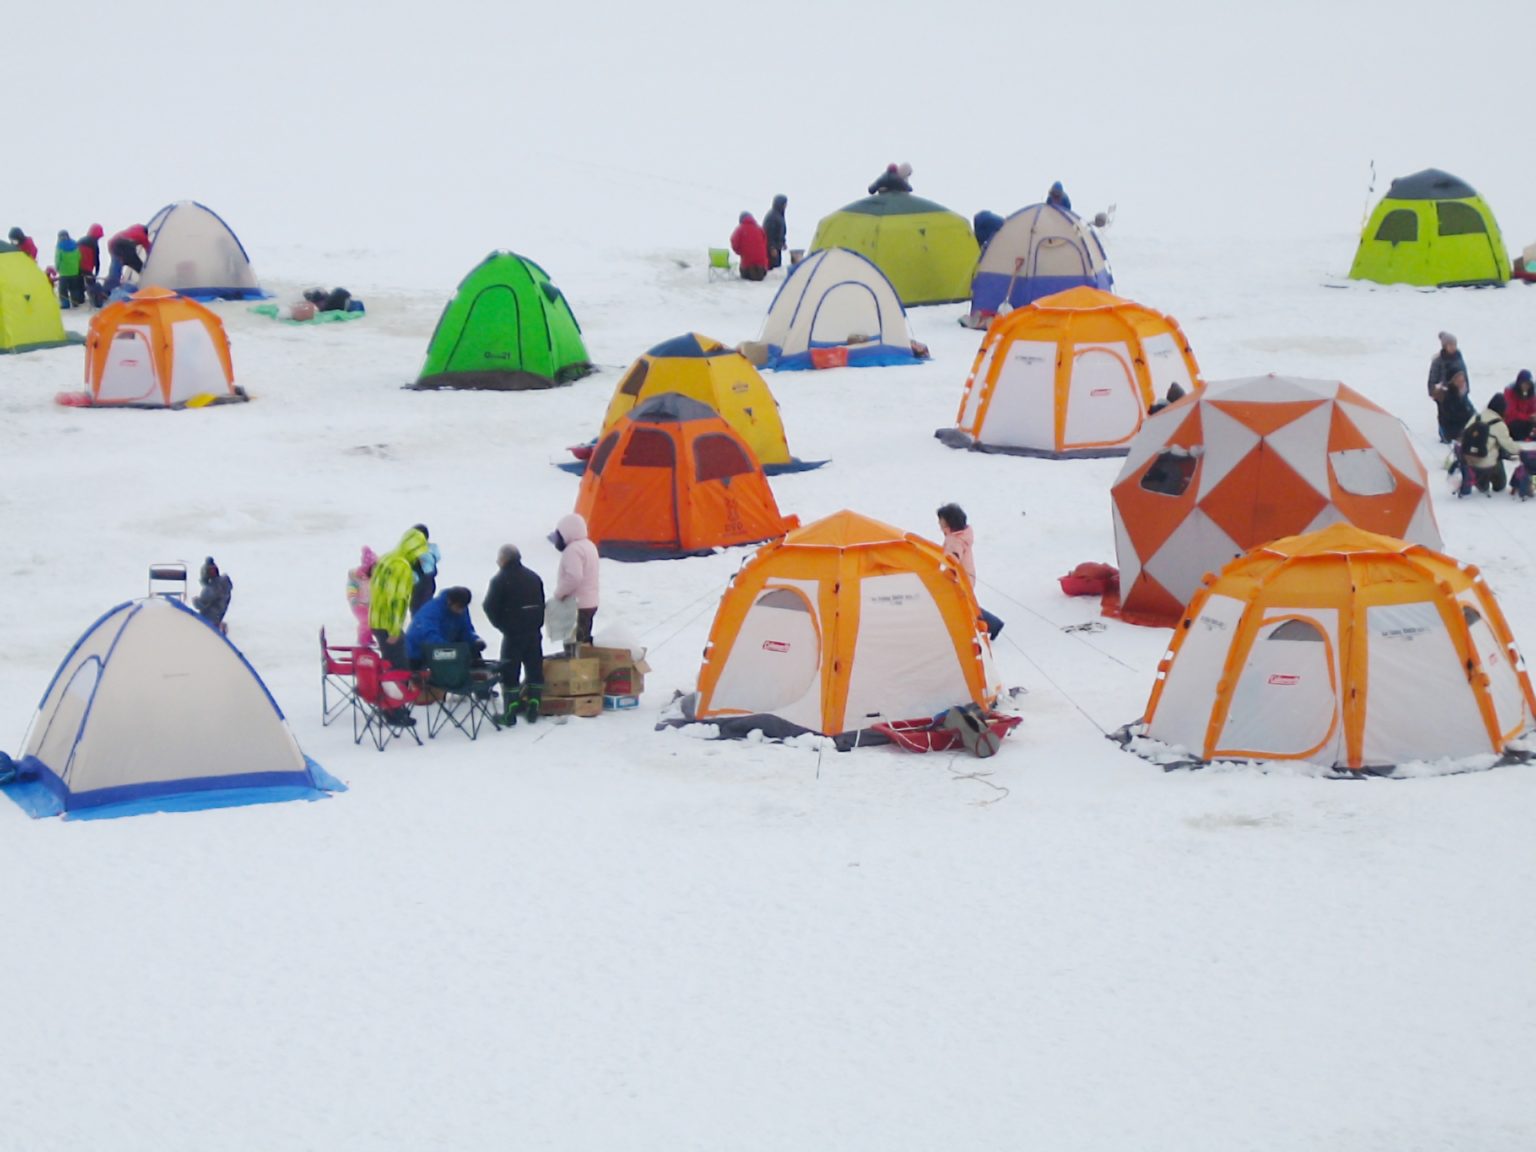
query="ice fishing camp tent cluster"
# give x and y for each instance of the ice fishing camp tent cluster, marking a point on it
(1342, 648)
(842, 624)
(1070, 375)
(507, 328)
(1239, 463)
(29, 311)
(157, 350)
(673, 479)
(153, 708)
(1433, 230)
(1039, 251)
(926, 251)
(836, 308)
(194, 252)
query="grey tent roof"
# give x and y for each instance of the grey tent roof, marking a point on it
(669, 408)
(1430, 184)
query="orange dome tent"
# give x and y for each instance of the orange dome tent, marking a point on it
(841, 625)
(1342, 648)
(673, 479)
(1242, 462)
(158, 350)
(1072, 374)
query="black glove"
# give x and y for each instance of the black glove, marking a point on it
(479, 645)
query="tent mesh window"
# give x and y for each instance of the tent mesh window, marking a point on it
(1398, 226)
(1297, 630)
(604, 450)
(1362, 472)
(634, 378)
(650, 449)
(1459, 219)
(717, 457)
(1170, 474)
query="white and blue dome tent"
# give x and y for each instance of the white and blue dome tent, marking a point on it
(1039, 251)
(835, 298)
(154, 710)
(193, 252)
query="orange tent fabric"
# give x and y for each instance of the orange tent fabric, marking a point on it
(1343, 648)
(1239, 463)
(158, 350)
(672, 478)
(841, 625)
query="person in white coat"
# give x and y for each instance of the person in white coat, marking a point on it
(577, 578)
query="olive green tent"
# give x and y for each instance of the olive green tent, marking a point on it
(506, 328)
(1434, 230)
(926, 251)
(29, 314)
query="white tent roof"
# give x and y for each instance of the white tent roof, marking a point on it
(832, 297)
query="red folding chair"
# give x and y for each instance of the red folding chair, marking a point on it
(338, 678)
(385, 698)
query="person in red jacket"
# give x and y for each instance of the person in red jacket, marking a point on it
(124, 250)
(90, 264)
(1520, 406)
(24, 242)
(750, 242)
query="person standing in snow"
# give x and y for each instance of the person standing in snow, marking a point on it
(1057, 197)
(389, 592)
(425, 568)
(212, 600)
(1449, 389)
(895, 178)
(66, 261)
(577, 578)
(776, 229)
(359, 592)
(749, 242)
(958, 542)
(90, 264)
(24, 242)
(514, 604)
(123, 248)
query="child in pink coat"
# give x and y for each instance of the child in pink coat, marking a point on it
(359, 595)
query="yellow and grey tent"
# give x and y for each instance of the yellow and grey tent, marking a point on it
(926, 251)
(29, 313)
(1433, 230)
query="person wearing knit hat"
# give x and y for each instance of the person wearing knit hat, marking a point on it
(895, 178)
(359, 594)
(1449, 389)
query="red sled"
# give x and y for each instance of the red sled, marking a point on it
(928, 734)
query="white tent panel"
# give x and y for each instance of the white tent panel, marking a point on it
(1165, 364)
(129, 376)
(196, 369)
(1420, 706)
(1103, 403)
(1022, 412)
(1286, 701)
(904, 661)
(774, 662)
(1184, 708)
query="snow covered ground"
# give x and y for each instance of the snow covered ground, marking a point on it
(595, 936)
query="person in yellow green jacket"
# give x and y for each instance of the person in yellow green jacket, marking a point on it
(66, 262)
(389, 589)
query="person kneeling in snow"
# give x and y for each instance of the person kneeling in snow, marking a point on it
(751, 244)
(212, 599)
(1484, 446)
(442, 620)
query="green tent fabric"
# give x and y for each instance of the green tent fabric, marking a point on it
(1433, 230)
(506, 328)
(926, 251)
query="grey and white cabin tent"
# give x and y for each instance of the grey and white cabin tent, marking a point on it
(193, 252)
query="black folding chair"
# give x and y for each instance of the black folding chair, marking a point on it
(462, 694)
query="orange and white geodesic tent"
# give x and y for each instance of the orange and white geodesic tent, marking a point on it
(158, 350)
(1070, 375)
(841, 625)
(1239, 463)
(1345, 649)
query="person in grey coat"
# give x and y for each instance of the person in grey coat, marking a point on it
(212, 600)
(777, 230)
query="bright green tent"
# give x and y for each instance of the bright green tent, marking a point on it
(506, 328)
(29, 314)
(1431, 229)
(926, 251)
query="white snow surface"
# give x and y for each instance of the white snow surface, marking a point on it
(591, 935)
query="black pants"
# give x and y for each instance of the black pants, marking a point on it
(522, 661)
(584, 618)
(71, 291)
(753, 272)
(393, 652)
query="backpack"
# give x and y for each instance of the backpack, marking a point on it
(1474, 439)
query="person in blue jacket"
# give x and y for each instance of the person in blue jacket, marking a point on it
(442, 620)
(1058, 198)
(985, 224)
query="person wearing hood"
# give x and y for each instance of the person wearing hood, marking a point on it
(514, 604)
(1520, 406)
(426, 566)
(985, 225)
(66, 262)
(359, 592)
(958, 542)
(90, 264)
(1449, 388)
(444, 619)
(895, 178)
(1484, 446)
(776, 230)
(24, 242)
(750, 243)
(389, 594)
(212, 600)
(123, 248)
(1057, 197)
(577, 577)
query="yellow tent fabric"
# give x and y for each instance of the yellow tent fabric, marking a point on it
(29, 313)
(926, 251)
(1433, 230)
(705, 370)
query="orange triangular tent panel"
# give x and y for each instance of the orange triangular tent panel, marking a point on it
(672, 478)
(158, 350)
(1343, 648)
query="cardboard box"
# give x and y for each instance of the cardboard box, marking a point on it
(617, 669)
(567, 676)
(571, 706)
(616, 703)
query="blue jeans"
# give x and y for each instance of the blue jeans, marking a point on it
(994, 625)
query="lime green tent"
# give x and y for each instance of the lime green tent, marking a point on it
(1431, 229)
(926, 251)
(506, 328)
(29, 314)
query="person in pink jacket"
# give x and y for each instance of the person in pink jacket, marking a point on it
(958, 539)
(360, 594)
(577, 576)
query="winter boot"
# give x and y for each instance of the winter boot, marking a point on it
(531, 701)
(510, 706)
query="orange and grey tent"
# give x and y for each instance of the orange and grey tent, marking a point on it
(158, 350)
(1070, 375)
(841, 625)
(1342, 648)
(1239, 463)
(673, 479)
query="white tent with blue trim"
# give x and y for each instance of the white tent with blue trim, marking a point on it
(1038, 251)
(194, 252)
(153, 709)
(835, 298)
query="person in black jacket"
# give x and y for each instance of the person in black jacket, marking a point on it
(895, 178)
(1448, 388)
(514, 604)
(212, 600)
(776, 228)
